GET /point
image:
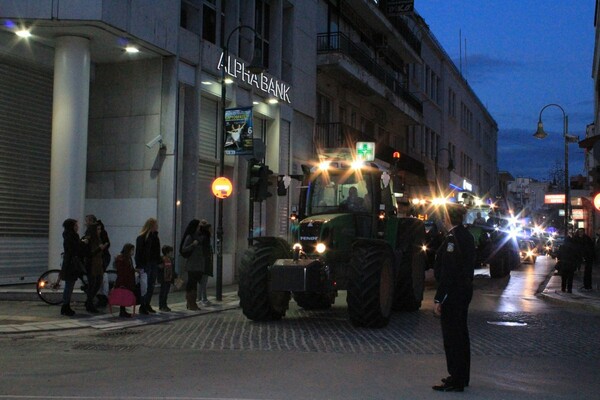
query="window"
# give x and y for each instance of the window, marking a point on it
(209, 22)
(323, 109)
(451, 103)
(190, 16)
(262, 18)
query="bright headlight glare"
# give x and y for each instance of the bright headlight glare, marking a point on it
(424, 247)
(357, 164)
(321, 248)
(324, 165)
(297, 246)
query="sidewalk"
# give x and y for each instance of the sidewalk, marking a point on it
(579, 298)
(21, 310)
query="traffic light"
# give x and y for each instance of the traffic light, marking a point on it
(253, 175)
(257, 180)
(262, 191)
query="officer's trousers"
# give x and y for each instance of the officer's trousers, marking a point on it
(455, 332)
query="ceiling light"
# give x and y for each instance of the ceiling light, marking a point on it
(132, 49)
(206, 83)
(24, 33)
(256, 102)
(273, 101)
(228, 81)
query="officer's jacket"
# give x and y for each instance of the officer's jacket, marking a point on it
(455, 264)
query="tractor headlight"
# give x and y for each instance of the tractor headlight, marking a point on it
(321, 248)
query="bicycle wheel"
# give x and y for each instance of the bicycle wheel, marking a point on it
(50, 287)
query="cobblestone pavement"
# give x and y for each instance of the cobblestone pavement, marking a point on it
(501, 334)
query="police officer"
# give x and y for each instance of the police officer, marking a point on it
(455, 262)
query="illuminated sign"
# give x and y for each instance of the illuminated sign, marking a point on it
(467, 185)
(222, 187)
(262, 82)
(365, 151)
(554, 199)
(577, 213)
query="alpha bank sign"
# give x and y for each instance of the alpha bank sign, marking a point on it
(271, 86)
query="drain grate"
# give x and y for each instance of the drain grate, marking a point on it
(104, 347)
(118, 333)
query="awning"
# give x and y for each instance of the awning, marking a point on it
(588, 142)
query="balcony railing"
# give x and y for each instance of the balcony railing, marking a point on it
(337, 42)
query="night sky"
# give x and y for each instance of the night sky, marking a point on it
(521, 55)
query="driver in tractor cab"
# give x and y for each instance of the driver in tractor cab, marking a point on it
(353, 202)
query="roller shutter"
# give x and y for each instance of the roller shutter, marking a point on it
(207, 165)
(25, 140)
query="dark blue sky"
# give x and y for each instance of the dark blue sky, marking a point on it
(520, 56)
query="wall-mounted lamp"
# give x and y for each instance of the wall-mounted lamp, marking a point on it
(131, 49)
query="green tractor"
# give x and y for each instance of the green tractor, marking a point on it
(349, 237)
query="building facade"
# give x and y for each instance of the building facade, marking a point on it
(92, 126)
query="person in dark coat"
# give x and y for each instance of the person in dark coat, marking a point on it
(125, 273)
(94, 265)
(569, 258)
(200, 260)
(586, 246)
(72, 265)
(455, 261)
(147, 258)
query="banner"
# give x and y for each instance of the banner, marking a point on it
(238, 125)
(396, 8)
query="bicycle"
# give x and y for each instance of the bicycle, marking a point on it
(50, 286)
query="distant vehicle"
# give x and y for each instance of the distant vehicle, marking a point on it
(528, 251)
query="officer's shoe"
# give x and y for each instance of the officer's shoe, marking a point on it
(449, 386)
(449, 379)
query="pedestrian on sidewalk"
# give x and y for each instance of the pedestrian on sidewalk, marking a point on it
(196, 243)
(72, 266)
(455, 261)
(569, 257)
(147, 257)
(125, 273)
(166, 276)
(94, 265)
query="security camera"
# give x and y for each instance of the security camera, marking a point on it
(154, 141)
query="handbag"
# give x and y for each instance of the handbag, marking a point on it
(178, 283)
(121, 297)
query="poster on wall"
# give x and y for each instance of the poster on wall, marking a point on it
(239, 132)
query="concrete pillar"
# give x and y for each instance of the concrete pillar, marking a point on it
(69, 138)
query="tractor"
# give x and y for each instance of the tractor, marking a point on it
(349, 237)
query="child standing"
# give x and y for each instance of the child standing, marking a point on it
(166, 276)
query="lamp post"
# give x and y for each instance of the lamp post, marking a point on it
(450, 165)
(255, 68)
(541, 134)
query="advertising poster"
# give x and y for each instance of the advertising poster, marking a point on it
(238, 128)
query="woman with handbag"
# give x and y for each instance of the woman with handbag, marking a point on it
(72, 265)
(569, 258)
(147, 257)
(125, 273)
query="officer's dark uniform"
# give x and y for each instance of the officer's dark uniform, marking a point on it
(455, 263)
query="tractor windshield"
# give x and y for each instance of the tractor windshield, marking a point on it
(339, 191)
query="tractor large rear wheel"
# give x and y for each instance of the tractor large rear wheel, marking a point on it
(371, 284)
(258, 302)
(411, 265)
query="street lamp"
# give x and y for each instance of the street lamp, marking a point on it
(450, 167)
(541, 134)
(255, 68)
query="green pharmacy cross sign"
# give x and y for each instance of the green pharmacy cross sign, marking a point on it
(365, 151)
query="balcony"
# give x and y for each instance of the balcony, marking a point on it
(338, 43)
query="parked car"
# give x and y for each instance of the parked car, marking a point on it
(528, 251)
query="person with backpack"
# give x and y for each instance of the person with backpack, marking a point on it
(195, 247)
